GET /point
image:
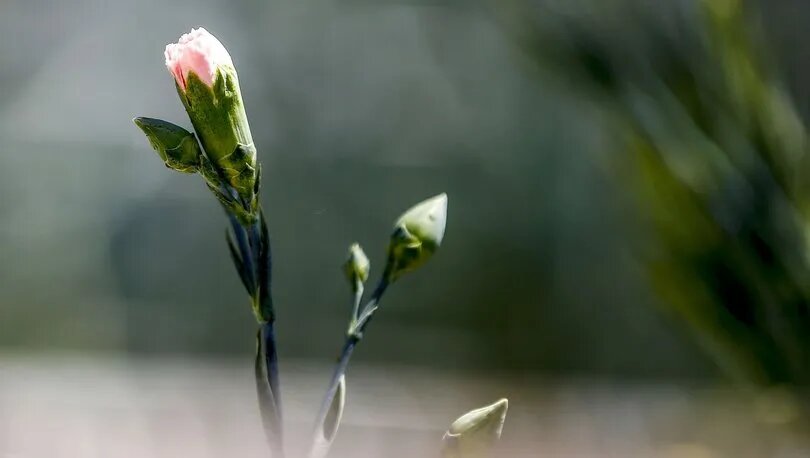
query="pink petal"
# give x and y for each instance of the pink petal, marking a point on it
(197, 51)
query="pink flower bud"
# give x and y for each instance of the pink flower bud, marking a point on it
(197, 51)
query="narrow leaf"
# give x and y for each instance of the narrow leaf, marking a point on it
(241, 268)
(328, 429)
(332, 421)
(265, 263)
(177, 147)
(268, 401)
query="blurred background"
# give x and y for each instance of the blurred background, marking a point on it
(625, 256)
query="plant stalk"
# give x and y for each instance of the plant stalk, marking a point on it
(353, 337)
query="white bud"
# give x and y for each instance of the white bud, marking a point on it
(357, 265)
(426, 220)
(418, 233)
(474, 433)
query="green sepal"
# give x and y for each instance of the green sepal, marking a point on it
(416, 237)
(177, 147)
(405, 253)
(233, 207)
(210, 173)
(218, 115)
(219, 187)
(357, 266)
(212, 112)
(238, 170)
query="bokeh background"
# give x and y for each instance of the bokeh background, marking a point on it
(123, 322)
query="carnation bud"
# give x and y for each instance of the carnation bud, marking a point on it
(209, 89)
(474, 433)
(418, 233)
(357, 265)
(176, 146)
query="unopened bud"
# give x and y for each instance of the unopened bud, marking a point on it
(176, 146)
(357, 265)
(418, 233)
(474, 433)
(208, 86)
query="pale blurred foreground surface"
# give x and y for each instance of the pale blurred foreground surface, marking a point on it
(74, 406)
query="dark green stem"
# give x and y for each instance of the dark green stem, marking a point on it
(353, 337)
(253, 261)
(267, 388)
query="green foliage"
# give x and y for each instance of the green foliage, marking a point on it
(714, 155)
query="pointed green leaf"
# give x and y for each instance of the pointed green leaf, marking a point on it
(327, 431)
(177, 147)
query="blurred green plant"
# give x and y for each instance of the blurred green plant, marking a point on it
(715, 155)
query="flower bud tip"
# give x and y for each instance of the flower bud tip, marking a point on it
(357, 265)
(418, 233)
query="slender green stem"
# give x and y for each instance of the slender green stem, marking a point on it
(245, 253)
(269, 388)
(353, 337)
(254, 263)
(371, 306)
(357, 297)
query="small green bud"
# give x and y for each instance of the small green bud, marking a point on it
(418, 233)
(474, 433)
(176, 146)
(357, 265)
